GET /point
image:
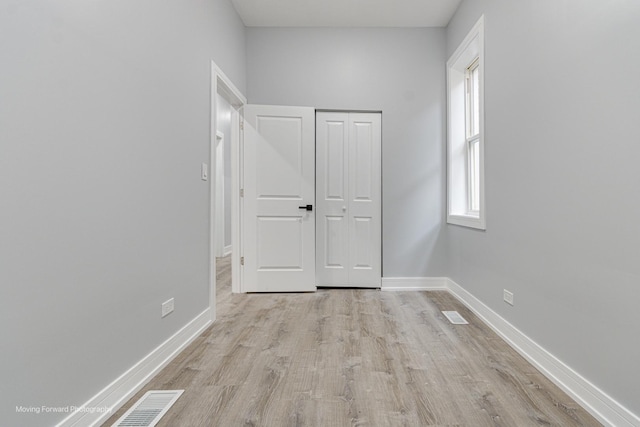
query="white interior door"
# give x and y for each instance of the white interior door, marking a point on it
(348, 192)
(279, 183)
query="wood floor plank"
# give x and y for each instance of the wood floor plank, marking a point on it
(347, 357)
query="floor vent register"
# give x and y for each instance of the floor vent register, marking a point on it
(147, 411)
(455, 318)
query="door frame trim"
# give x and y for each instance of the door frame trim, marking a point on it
(222, 85)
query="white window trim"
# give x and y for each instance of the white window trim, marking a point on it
(472, 47)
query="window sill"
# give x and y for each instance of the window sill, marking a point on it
(470, 221)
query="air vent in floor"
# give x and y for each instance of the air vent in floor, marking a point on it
(147, 411)
(455, 318)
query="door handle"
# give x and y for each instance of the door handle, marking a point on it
(307, 207)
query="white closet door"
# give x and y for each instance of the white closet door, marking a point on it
(365, 205)
(279, 176)
(332, 221)
(348, 190)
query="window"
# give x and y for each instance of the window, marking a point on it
(465, 137)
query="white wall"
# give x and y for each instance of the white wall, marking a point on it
(104, 122)
(562, 105)
(398, 71)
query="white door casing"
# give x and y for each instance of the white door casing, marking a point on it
(348, 192)
(222, 85)
(279, 178)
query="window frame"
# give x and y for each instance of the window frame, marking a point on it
(461, 135)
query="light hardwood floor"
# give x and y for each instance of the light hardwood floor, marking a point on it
(343, 357)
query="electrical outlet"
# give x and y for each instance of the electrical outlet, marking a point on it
(167, 307)
(507, 296)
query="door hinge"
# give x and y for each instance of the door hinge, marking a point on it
(241, 260)
(241, 124)
(242, 192)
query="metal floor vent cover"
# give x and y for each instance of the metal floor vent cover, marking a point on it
(455, 318)
(147, 411)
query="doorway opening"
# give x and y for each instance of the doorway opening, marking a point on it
(223, 195)
(225, 208)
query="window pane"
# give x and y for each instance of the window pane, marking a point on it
(475, 96)
(474, 175)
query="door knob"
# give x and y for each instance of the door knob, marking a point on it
(344, 209)
(307, 207)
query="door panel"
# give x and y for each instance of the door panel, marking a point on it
(334, 167)
(365, 201)
(279, 178)
(349, 199)
(361, 243)
(332, 253)
(362, 174)
(280, 164)
(335, 241)
(289, 233)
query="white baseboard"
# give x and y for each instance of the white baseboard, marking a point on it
(227, 250)
(599, 404)
(122, 389)
(414, 283)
